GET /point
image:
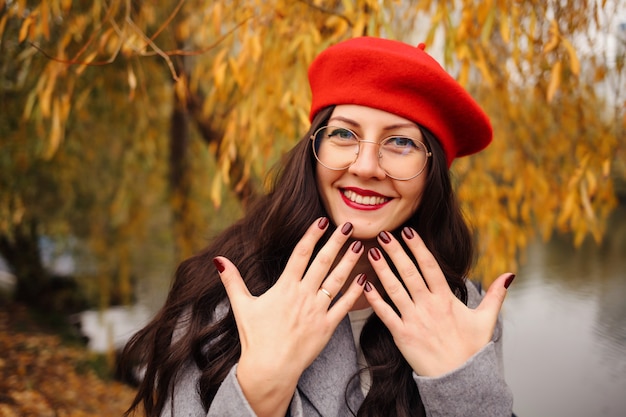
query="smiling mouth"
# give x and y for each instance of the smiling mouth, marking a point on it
(366, 200)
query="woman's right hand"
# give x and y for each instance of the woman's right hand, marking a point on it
(283, 330)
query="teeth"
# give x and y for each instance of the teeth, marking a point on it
(369, 200)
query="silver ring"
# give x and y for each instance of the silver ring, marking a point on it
(328, 294)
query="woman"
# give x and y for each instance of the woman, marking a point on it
(342, 291)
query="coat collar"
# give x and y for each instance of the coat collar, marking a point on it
(324, 382)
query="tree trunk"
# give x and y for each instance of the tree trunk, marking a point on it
(180, 181)
(22, 253)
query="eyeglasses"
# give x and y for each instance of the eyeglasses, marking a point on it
(401, 157)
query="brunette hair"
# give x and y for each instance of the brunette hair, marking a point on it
(196, 323)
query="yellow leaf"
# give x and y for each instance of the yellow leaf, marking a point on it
(45, 17)
(566, 210)
(219, 73)
(555, 81)
(30, 103)
(3, 23)
(551, 45)
(359, 26)
(481, 63)
(303, 116)
(256, 48)
(586, 202)
(348, 6)
(237, 71)
(56, 131)
(505, 30)
(65, 107)
(464, 73)
(286, 100)
(45, 95)
(530, 38)
(21, 6)
(338, 25)
(24, 29)
(217, 17)
(592, 183)
(555, 38)
(606, 168)
(579, 236)
(132, 83)
(573, 56)
(183, 30)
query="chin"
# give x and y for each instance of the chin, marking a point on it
(367, 232)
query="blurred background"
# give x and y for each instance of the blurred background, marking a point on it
(131, 132)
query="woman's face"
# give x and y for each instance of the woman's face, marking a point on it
(363, 194)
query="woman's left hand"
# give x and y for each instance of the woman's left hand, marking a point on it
(435, 331)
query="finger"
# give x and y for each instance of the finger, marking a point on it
(382, 309)
(494, 298)
(326, 257)
(335, 281)
(339, 310)
(431, 271)
(405, 266)
(299, 259)
(394, 288)
(231, 279)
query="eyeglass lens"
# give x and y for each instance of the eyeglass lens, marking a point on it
(401, 157)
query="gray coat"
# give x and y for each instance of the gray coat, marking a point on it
(476, 389)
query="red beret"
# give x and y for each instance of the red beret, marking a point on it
(403, 80)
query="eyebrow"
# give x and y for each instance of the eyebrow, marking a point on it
(390, 127)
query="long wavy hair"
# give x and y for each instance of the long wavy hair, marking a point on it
(187, 328)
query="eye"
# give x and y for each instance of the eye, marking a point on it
(401, 142)
(339, 134)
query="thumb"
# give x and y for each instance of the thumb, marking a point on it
(231, 279)
(496, 294)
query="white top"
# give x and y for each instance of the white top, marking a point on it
(357, 321)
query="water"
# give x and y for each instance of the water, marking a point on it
(565, 329)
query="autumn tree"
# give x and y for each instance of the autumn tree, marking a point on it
(185, 105)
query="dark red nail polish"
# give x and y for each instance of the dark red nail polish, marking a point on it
(323, 223)
(368, 287)
(384, 236)
(357, 246)
(408, 233)
(508, 281)
(375, 254)
(219, 265)
(346, 229)
(361, 279)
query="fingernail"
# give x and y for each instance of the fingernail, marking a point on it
(408, 233)
(219, 265)
(347, 228)
(323, 223)
(368, 287)
(384, 236)
(361, 279)
(508, 281)
(357, 246)
(375, 254)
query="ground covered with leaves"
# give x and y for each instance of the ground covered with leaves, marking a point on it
(43, 373)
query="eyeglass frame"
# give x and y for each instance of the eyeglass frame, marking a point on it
(429, 153)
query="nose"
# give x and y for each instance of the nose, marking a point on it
(367, 164)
